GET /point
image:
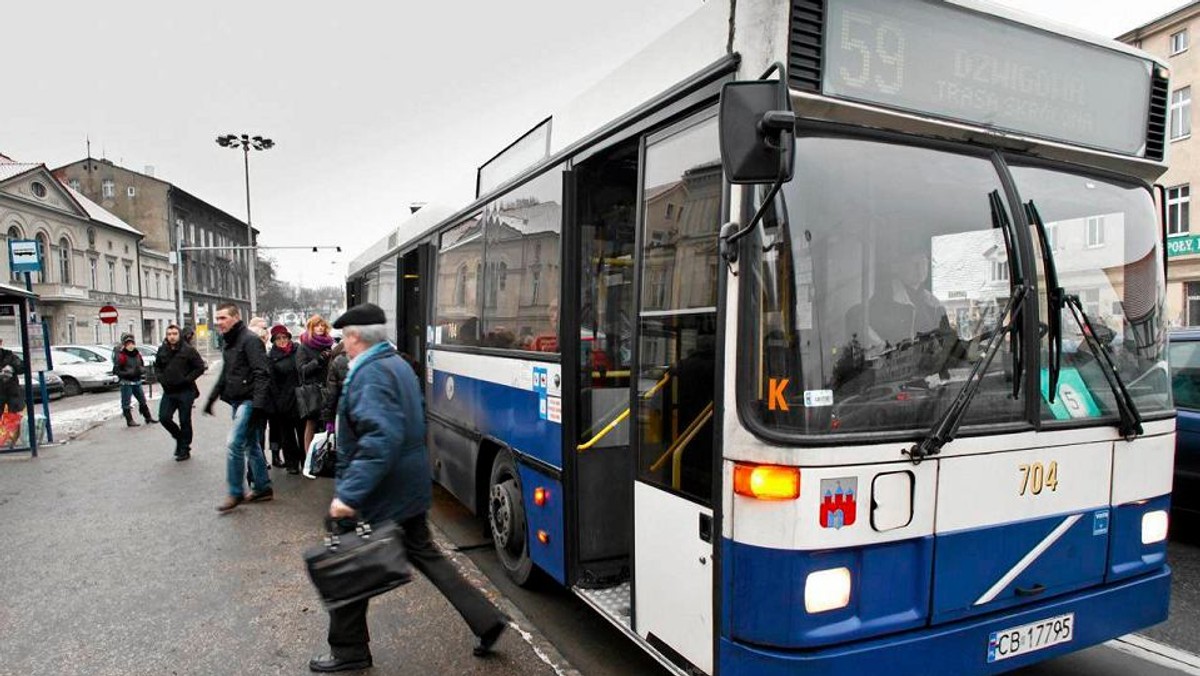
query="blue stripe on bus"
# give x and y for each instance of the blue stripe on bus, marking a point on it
(961, 648)
(548, 556)
(1128, 556)
(889, 592)
(970, 562)
(510, 414)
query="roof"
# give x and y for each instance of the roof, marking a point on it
(1160, 21)
(12, 290)
(11, 169)
(100, 214)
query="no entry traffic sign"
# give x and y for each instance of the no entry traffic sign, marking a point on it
(108, 314)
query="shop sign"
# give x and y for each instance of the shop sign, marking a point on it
(1183, 246)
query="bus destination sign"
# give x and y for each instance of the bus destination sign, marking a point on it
(943, 60)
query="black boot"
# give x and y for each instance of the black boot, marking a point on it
(129, 421)
(146, 414)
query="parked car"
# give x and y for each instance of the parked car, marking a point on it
(1183, 355)
(103, 354)
(82, 375)
(55, 388)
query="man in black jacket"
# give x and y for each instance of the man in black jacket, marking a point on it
(243, 385)
(178, 365)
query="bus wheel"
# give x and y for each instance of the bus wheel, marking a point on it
(506, 515)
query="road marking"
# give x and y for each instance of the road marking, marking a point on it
(1158, 653)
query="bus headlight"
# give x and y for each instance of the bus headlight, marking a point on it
(827, 590)
(1154, 526)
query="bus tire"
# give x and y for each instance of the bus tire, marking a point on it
(506, 517)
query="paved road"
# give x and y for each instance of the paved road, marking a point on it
(115, 562)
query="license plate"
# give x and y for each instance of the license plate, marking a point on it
(1030, 637)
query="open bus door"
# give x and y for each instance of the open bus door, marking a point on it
(413, 303)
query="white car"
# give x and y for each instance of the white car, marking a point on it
(81, 375)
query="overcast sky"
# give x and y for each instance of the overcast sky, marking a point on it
(373, 106)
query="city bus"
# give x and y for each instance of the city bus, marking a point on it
(823, 336)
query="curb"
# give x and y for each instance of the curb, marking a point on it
(1158, 653)
(528, 632)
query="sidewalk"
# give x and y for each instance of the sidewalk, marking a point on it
(115, 562)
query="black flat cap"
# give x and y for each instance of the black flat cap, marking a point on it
(361, 315)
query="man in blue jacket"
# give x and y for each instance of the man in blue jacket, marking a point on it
(383, 473)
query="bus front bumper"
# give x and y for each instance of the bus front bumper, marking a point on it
(1100, 614)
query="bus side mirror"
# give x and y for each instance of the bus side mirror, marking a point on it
(757, 127)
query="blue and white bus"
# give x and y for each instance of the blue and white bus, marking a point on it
(858, 363)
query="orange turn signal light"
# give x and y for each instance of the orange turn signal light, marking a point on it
(539, 496)
(543, 537)
(766, 482)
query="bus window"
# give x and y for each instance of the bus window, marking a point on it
(681, 214)
(458, 284)
(521, 266)
(1102, 237)
(873, 294)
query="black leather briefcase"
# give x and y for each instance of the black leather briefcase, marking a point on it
(357, 564)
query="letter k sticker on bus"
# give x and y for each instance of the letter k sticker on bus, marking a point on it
(839, 506)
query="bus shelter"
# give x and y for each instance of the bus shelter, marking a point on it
(22, 301)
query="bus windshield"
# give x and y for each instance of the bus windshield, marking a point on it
(880, 276)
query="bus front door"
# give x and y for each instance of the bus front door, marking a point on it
(673, 392)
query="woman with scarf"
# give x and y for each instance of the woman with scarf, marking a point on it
(285, 378)
(316, 347)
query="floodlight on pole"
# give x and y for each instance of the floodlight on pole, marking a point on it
(246, 143)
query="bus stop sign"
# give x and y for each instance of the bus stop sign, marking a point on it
(108, 314)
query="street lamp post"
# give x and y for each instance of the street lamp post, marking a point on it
(246, 143)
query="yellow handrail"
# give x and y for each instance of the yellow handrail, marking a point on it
(687, 435)
(624, 414)
(677, 456)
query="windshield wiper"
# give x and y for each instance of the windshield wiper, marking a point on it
(946, 427)
(1131, 419)
(1058, 300)
(944, 430)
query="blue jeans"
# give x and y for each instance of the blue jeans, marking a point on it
(244, 446)
(134, 390)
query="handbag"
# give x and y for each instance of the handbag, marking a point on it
(321, 460)
(358, 564)
(309, 399)
(10, 427)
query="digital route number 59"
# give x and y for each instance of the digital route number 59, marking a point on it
(879, 48)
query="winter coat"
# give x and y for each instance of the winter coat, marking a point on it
(129, 366)
(339, 363)
(244, 375)
(382, 462)
(285, 378)
(12, 396)
(178, 367)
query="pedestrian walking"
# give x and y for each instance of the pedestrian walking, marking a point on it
(383, 473)
(12, 396)
(285, 378)
(129, 368)
(316, 349)
(261, 329)
(243, 384)
(178, 365)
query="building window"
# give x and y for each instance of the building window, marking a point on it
(14, 233)
(1052, 236)
(1193, 303)
(64, 260)
(158, 285)
(112, 276)
(74, 183)
(1095, 231)
(128, 279)
(91, 238)
(1000, 271)
(108, 189)
(1181, 113)
(71, 328)
(1179, 42)
(1178, 209)
(92, 264)
(131, 191)
(39, 189)
(43, 246)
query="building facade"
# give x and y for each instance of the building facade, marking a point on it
(90, 259)
(1169, 37)
(169, 215)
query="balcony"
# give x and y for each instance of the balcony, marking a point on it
(49, 293)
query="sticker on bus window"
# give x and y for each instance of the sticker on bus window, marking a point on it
(1074, 399)
(818, 398)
